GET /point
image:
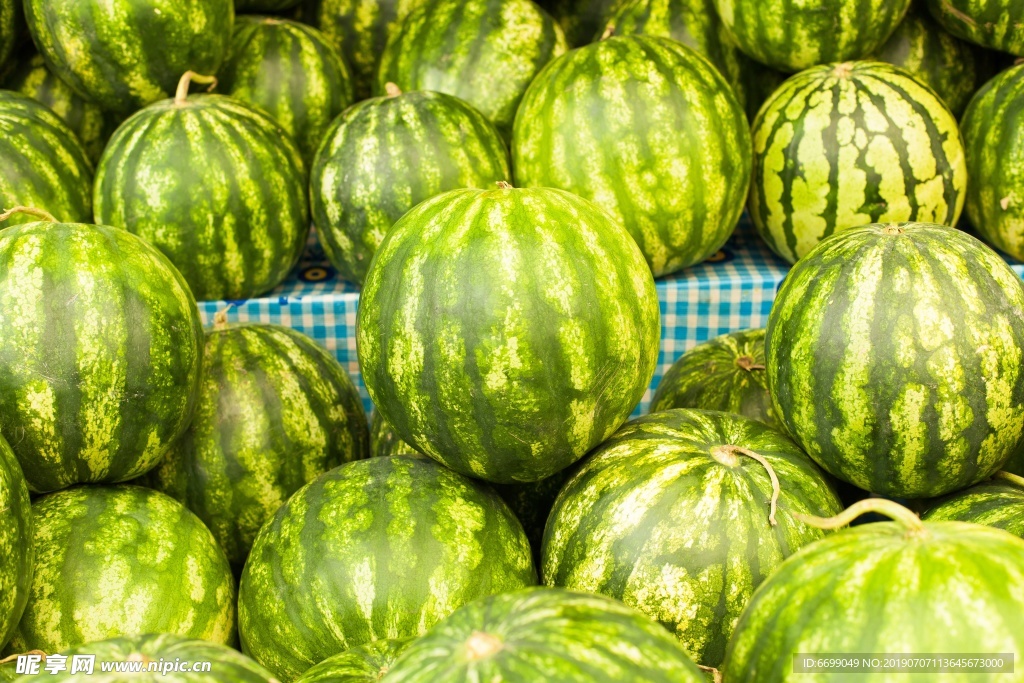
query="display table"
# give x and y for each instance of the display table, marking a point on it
(731, 291)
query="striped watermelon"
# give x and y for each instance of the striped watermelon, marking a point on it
(17, 550)
(485, 52)
(386, 155)
(695, 23)
(505, 333)
(374, 549)
(275, 411)
(676, 516)
(545, 634)
(123, 561)
(648, 130)
(582, 20)
(161, 651)
(843, 145)
(384, 441)
(792, 36)
(994, 24)
(364, 664)
(994, 138)
(360, 30)
(932, 404)
(44, 165)
(11, 27)
(290, 71)
(888, 587)
(100, 365)
(213, 183)
(951, 67)
(998, 503)
(264, 5)
(726, 373)
(90, 124)
(127, 54)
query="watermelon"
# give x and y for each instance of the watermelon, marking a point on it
(123, 561)
(165, 658)
(374, 549)
(726, 373)
(1015, 465)
(844, 145)
(890, 587)
(650, 131)
(290, 71)
(695, 23)
(127, 54)
(364, 664)
(360, 30)
(386, 155)
(215, 184)
(102, 352)
(951, 67)
(275, 411)
(11, 27)
(994, 138)
(17, 550)
(90, 124)
(994, 24)
(676, 515)
(485, 52)
(793, 36)
(264, 5)
(531, 502)
(545, 634)
(44, 164)
(505, 333)
(582, 20)
(998, 502)
(895, 358)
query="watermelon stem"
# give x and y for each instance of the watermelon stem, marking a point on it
(1012, 478)
(186, 80)
(392, 90)
(747, 363)
(727, 456)
(609, 31)
(220, 318)
(503, 185)
(716, 675)
(31, 211)
(882, 506)
(11, 658)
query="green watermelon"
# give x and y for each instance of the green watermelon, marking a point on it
(44, 164)
(485, 52)
(165, 658)
(11, 27)
(123, 561)
(374, 549)
(384, 156)
(126, 54)
(505, 333)
(216, 185)
(994, 24)
(998, 503)
(994, 140)
(1015, 465)
(264, 5)
(793, 36)
(545, 634)
(91, 124)
(582, 20)
(676, 516)
(951, 67)
(102, 352)
(896, 358)
(275, 411)
(726, 373)
(844, 145)
(17, 550)
(290, 71)
(360, 30)
(889, 587)
(650, 131)
(364, 664)
(531, 502)
(695, 23)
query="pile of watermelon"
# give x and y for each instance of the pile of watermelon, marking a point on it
(505, 180)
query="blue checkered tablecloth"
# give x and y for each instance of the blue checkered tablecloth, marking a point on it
(732, 291)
